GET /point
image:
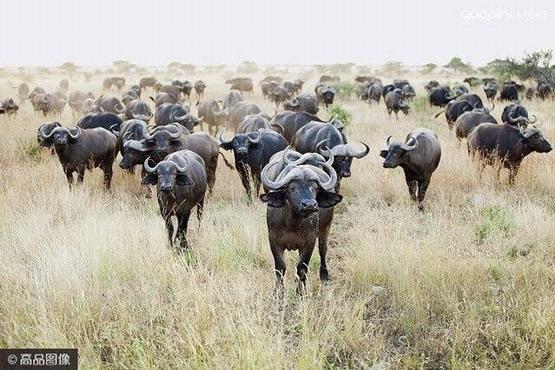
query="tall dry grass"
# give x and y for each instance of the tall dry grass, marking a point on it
(470, 283)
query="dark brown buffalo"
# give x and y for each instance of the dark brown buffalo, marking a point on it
(517, 115)
(467, 121)
(242, 84)
(395, 102)
(163, 98)
(199, 89)
(79, 150)
(209, 111)
(112, 105)
(252, 151)
(300, 201)
(138, 109)
(324, 138)
(163, 140)
(240, 111)
(147, 82)
(180, 181)
(418, 156)
(302, 103)
(505, 144)
(231, 98)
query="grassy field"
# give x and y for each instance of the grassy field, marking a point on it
(470, 283)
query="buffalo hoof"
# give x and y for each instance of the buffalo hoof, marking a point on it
(324, 275)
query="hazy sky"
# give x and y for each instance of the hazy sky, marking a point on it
(156, 32)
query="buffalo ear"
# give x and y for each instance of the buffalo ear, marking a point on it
(183, 180)
(46, 143)
(275, 199)
(383, 153)
(150, 179)
(227, 146)
(327, 199)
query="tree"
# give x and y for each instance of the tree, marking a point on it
(393, 68)
(534, 66)
(70, 68)
(457, 65)
(428, 69)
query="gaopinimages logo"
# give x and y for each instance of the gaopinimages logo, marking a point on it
(503, 14)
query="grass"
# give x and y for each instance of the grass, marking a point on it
(467, 284)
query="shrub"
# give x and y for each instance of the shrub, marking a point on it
(341, 114)
(346, 90)
(493, 219)
(29, 150)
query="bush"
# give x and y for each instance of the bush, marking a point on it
(346, 90)
(341, 114)
(29, 150)
(493, 219)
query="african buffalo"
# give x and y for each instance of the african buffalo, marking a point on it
(505, 144)
(252, 151)
(300, 201)
(79, 149)
(180, 181)
(395, 102)
(418, 156)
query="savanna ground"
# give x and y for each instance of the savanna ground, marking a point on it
(469, 283)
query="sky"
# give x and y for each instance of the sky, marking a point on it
(157, 32)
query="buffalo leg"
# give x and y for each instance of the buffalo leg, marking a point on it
(323, 251)
(422, 187)
(302, 267)
(243, 173)
(183, 222)
(513, 171)
(211, 174)
(279, 264)
(108, 173)
(80, 175)
(169, 228)
(412, 184)
(69, 176)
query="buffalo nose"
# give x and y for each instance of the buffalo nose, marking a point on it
(345, 174)
(309, 204)
(165, 187)
(242, 151)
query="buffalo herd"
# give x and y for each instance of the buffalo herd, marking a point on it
(298, 158)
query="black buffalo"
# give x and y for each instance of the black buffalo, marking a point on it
(505, 144)
(418, 156)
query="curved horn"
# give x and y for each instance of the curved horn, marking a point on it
(361, 153)
(319, 147)
(142, 117)
(388, 140)
(135, 145)
(115, 132)
(528, 133)
(282, 180)
(178, 132)
(76, 134)
(180, 118)
(257, 139)
(492, 106)
(410, 145)
(44, 136)
(277, 128)
(119, 110)
(185, 166)
(331, 175)
(147, 167)
(221, 138)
